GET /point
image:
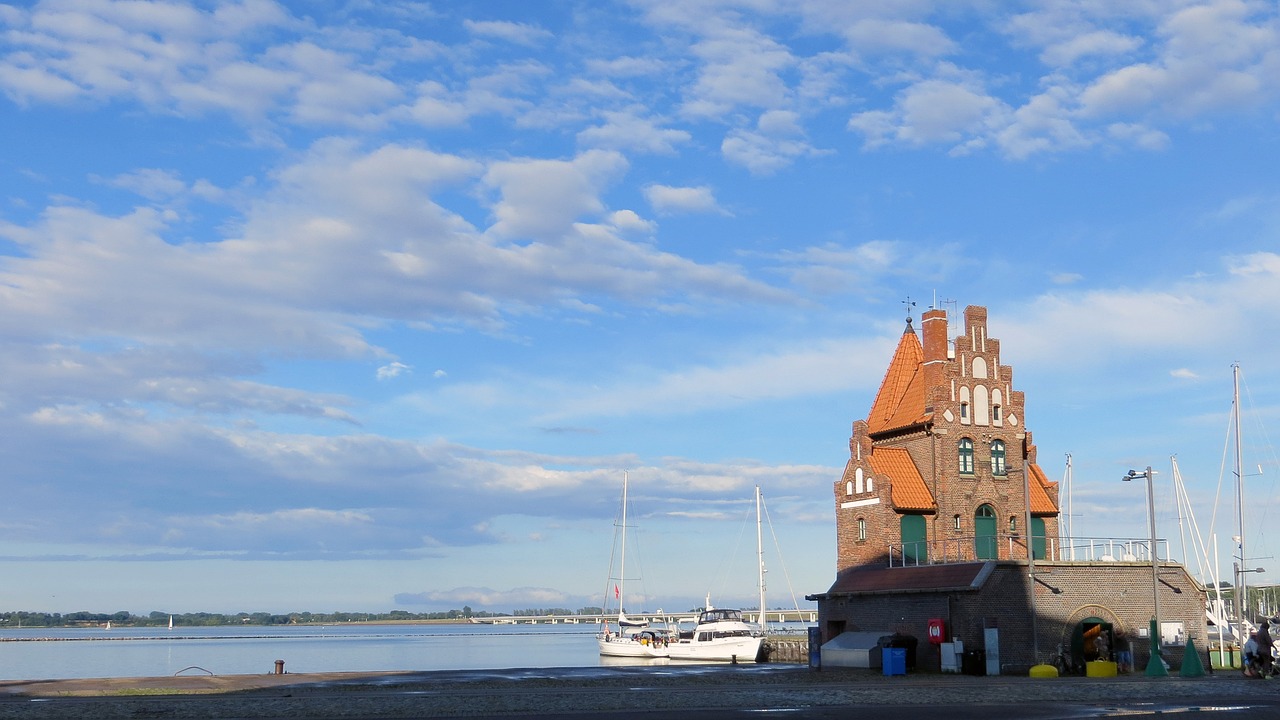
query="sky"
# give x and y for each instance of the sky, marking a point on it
(369, 306)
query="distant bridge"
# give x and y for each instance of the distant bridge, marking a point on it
(773, 616)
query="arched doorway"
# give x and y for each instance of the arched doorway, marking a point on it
(1092, 639)
(984, 533)
(915, 549)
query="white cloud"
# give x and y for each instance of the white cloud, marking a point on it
(821, 368)
(393, 370)
(151, 183)
(1214, 56)
(1095, 43)
(741, 67)
(833, 269)
(541, 199)
(627, 221)
(514, 32)
(1139, 136)
(872, 35)
(933, 111)
(623, 130)
(1042, 125)
(666, 199)
(1182, 321)
(775, 143)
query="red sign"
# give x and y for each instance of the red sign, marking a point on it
(937, 631)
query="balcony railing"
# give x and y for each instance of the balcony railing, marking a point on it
(971, 548)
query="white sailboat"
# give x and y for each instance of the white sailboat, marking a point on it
(722, 635)
(634, 639)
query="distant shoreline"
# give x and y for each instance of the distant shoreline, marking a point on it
(313, 623)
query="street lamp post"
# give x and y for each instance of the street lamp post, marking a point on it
(1240, 584)
(1155, 665)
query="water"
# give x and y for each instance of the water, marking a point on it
(57, 653)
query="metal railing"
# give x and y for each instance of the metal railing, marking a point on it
(975, 548)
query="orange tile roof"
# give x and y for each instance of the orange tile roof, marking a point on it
(909, 491)
(1041, 502)
(901, 399)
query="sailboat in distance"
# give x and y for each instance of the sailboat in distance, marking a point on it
(634, 639)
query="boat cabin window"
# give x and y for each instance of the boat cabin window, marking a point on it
(720, 615)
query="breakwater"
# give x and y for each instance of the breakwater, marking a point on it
(787, 649)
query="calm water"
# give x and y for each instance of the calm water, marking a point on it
(54, 653)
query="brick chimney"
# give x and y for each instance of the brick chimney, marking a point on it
(934, 326)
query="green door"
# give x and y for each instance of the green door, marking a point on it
(1037, 537)
(984, 533)
(914, 546)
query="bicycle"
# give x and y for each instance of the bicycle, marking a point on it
(1062, 661)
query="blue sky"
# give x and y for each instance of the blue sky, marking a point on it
(369, 305)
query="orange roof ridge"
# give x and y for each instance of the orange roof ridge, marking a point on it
(901, 399)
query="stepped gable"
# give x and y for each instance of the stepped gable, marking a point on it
(900, 403)
(907, 487)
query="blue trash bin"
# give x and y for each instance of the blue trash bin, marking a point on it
(894, 661)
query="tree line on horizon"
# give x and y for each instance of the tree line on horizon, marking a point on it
(205, 619)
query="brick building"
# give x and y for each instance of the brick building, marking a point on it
(932, 513)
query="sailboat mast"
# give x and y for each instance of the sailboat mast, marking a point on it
(760, 556)
(1071, 518)
(1242, 590)
(622, 562)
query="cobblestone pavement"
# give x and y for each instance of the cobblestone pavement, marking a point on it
(514, 692)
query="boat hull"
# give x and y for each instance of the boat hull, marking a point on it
(617, 646)
(735, 649)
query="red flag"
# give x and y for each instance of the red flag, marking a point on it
(616, 592)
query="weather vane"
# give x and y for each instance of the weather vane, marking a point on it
(910, 304)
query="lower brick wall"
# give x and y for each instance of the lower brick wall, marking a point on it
(1065, 594)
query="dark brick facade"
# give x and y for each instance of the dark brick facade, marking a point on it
(1067, 594)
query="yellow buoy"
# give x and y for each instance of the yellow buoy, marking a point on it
(1044, 671)
(1100, 668)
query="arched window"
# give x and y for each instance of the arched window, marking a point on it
(862, 529)
(966, 456)
(857, 474)
(848, 488)
(1013, 524)
(997, 457)
(958, 521)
